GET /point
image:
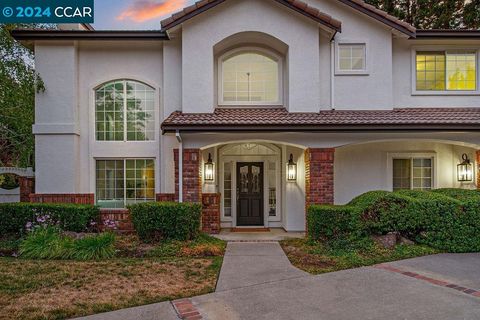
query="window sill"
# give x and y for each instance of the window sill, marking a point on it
(352, 73)
(445, 93)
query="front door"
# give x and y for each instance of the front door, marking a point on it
(250, 194)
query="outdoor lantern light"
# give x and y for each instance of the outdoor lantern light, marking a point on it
(291, 169)
(209, 169)
(465, 170)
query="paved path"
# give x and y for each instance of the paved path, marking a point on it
(252, 263)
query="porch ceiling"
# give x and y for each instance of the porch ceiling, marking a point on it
(279, 119)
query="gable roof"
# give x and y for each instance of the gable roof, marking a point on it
(303, 8)
(296, 5)
(279, 119)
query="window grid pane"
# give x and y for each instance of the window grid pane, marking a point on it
(123, 182)
(250, 77)
(352, 57)
(446, 71)
(121, 103)
(401, 174)
(422, 174)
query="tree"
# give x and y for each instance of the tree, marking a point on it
(18, 84)
(434, 14)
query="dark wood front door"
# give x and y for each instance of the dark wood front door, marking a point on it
(250, 194)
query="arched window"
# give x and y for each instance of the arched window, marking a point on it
(125, 111)
(249, 76)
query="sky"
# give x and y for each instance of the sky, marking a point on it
(134, 14)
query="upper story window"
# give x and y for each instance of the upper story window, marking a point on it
(446, 71)
(125, 111)
(352, 57)
(250, 77)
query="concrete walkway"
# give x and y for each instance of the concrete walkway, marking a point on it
(252, 263)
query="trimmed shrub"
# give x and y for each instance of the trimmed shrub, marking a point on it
(156, 221)
(18, 218)
(49, 243)
(446, 219)
(326, 222)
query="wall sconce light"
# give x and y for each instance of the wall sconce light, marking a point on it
(465, 170)
(291, 169)
(209, 169)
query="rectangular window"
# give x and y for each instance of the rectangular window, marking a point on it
(352, 57)
(412, 174)
(446, 71)
(123, 182)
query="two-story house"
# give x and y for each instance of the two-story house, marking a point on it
(255, 108)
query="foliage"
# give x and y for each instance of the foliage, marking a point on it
(9, 181)
(49, 243)
(156, 221)
(203, 246)
(433, 14)
(445, 219)
(18, 84)
(19, 218)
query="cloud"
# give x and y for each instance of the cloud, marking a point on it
(143, 10)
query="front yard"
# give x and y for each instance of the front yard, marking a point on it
(316, 257)
(141, 274)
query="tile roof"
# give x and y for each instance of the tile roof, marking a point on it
(241, 118)
(302, 7)
(297, 5)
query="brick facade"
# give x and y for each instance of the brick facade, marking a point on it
(88, 198)
(27, 187)
(211, 213)
(192, 180)
(166, 197)
(118, 220)
(319, 168)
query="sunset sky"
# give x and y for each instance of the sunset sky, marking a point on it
(134, 14)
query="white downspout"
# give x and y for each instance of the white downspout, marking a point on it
(180, 166)
(332, 74)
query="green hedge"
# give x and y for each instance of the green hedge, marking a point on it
(446, 219)
(155, 221)
(18, 218)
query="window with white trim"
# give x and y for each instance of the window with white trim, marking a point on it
(412, 173)
(125, 111)
(352, 57)
(249, 77)
(121, 182)
(446, 70)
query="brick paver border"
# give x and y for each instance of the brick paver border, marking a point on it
(433, 281)
(186, 310)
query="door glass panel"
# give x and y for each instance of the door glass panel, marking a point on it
(243, 179)
(272, 194)
(256, 183)
(227, 189)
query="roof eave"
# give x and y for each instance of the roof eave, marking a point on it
(33, 35)
(320, 128)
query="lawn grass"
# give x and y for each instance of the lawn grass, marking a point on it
(141, 274)
(316, 257)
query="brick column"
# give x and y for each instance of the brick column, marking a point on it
(211, 213)
(192, 180)
(27, 187)
(319, 176)
(478, 169)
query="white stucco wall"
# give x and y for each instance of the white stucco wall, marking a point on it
(200, 34)
(404, 80)
(365, 167)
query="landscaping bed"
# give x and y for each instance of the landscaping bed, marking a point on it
(381, 226)
(317, 257)
(55, 265)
